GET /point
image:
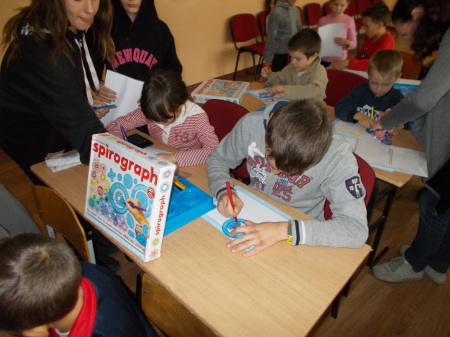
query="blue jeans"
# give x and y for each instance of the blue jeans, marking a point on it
(431, 246)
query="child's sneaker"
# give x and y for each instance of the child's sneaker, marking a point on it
(435, 276)
(396, 270)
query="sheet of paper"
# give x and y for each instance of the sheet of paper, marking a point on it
(346, 129)
(63, 162)
(391, 158)
(255, 209)
(128, 93)
(327, 34)
(265, 96)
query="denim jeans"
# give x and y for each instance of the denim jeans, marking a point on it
(431, 246)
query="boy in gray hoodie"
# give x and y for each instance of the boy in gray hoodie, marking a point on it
(293, 158)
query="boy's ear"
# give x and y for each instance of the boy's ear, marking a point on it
(314, 56)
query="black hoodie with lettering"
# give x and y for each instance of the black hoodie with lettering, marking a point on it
(144, 45)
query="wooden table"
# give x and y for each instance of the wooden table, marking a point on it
(199, 288)
(394, 179)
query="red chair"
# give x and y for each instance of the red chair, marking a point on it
(368, 179)
(339, 84)
(243, 29)
(352, 9)
(326, 8)
(302, 18)
(262, 19)
(223, 116)
(362, 5)
(313, 13)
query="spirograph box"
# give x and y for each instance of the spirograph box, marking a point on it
(119, 171)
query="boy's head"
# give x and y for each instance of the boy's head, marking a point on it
(304, 47)
(375, 19)
(163, 95)
(297, 137)
(385, 67)
(39, 281)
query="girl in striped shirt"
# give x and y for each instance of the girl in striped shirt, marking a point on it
(172, 119)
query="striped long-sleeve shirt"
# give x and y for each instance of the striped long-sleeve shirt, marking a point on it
(191, 133)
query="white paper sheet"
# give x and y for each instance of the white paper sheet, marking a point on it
(327, 34)
(346, 129)
(128, 93)
(390, 157)
(255, 209)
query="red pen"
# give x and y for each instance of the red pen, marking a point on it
(230, 196)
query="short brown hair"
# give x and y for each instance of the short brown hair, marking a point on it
(386, 62)
(306, 41)
(378, 12)
(162, 94)
(39, 281)
(298, 136)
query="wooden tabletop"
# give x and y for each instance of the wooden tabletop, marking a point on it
(281, 291)
(404, 139)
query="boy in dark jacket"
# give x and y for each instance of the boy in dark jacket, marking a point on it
(45, 291)
(365, 101)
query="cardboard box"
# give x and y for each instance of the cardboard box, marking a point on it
(118, 171)
(231, 91)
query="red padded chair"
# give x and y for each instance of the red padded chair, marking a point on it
(326, 8)
(362, 5)
(244, 28)
(368, 179)
(339, 84)
(302, 18)
(352, 9)
(223, 116)
(313, 13)
(262, 18)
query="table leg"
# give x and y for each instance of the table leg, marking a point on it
(378, 224)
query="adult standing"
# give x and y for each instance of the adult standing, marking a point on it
(427, 25)
(47, 77)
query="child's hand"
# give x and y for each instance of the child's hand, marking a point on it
(266, 71)
(261, 236)
(170, 157)
(277, 88)
(136, 213)
(224, 205)
(106, 94)
(363, 120)
(339, 64)
(341, 41)
(101, 112)
(397, 129)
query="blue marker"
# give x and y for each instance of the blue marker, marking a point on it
(105, 107)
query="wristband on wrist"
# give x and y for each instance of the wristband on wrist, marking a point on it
(289, 231)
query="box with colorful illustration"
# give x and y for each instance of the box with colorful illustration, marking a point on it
(128, 193)
(232, 91)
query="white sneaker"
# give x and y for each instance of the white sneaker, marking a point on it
(435, 276)
(396, 270)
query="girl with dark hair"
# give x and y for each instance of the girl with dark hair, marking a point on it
(47, 76)
(427, 25)
(172, 119)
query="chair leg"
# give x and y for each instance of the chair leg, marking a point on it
(237, 62)
(254, 65)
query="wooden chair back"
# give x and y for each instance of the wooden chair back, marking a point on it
(56, 212)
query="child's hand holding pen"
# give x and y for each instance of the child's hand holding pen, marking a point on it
(100, 109)
(266, 71)
(225, 208)
(363, 120)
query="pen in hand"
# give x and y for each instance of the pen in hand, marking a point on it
(230, 196)
(105, 107)
(136, 207)
(124, 135)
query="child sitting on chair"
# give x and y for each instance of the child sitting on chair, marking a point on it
(375, 19)
(304, 77)
(293, 158)
(45, 291)
(172, 119)
(365, 101)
